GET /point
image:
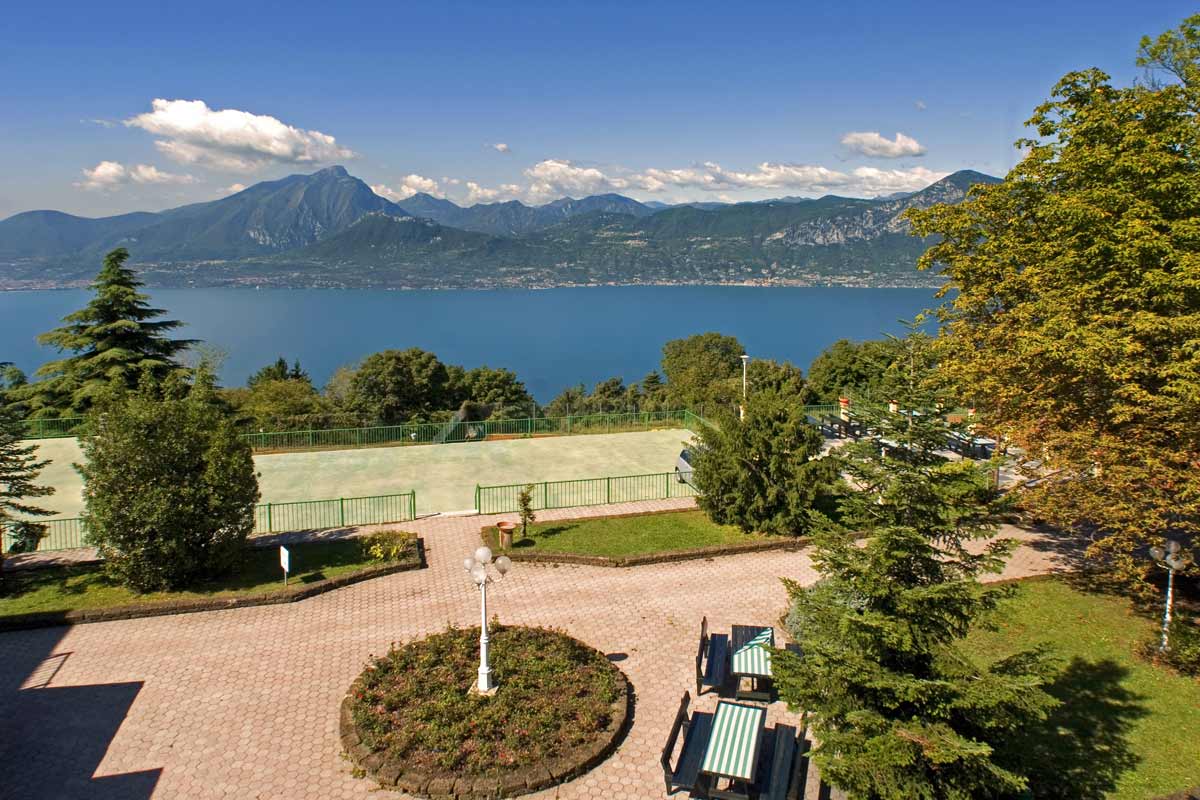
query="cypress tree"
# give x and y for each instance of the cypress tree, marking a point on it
(115, 340)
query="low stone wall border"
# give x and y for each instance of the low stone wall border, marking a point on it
(290, 594)
(532, 778)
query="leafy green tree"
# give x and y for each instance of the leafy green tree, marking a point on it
(11, 377)
(785, 378)
(653, 391)
(763, 473)
(396, 386)
(899, 708)
(1075, 304)
(501, 390)
(279, 371)
(703, 369)
(19, 469)
(572, 400)
(115, 340)
(525, 509)
(169, 485)
(848, 368)
(282, 404)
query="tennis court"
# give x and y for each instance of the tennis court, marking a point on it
(443, 476)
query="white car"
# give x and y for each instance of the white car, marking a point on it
(683, 467)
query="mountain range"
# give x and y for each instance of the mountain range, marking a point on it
(330, 229)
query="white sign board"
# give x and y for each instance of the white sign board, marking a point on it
(285, 560)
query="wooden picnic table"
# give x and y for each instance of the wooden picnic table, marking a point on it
(752, 659)
(733, 749)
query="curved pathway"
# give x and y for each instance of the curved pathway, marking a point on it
(243, 703)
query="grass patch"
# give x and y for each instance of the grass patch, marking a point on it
(618, 537)
(71, 588)
(1127, 730)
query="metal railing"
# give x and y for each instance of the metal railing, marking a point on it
(584, 492)
(59, 428)
(302, 515)
(430, 432)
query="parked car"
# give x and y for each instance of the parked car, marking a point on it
(683, 467)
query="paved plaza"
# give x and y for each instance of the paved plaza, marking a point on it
(244, 703)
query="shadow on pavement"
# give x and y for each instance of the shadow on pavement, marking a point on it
(56, 736)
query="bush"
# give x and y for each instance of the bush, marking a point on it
(169, 487)
(388, 545)
(1184, 652)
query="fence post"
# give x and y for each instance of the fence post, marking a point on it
(310, 438)
(545, 494)
(667, 481)
(608, 490)
(477, 508)
(270, 527)
(412, 504)
(341, 512)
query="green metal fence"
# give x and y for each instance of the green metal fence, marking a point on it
(307, 515)
(65, 534)
(429, 433)
(61, 428)
(585, 492)
(61, 534)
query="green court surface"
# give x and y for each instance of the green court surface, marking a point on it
(443, 476)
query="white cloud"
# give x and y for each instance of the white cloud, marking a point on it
(500, 147)
(480, 194)
(871, 143)
(234, 188)
(555, 178)
(113, 174)
(920, 105)
(411, 185)
(232, 140)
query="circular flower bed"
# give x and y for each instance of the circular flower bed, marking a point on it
(411, 721)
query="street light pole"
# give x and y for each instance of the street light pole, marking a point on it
(742, 407)
(1170, 559)
(477, 567)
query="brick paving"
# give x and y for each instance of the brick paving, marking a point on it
(243, 703)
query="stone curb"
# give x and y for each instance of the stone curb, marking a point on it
(292, 594)
(531, 778)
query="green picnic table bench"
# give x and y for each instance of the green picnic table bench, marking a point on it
(696, 730)
(712, 659)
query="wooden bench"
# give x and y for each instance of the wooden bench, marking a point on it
(696, 732)
(712, 659)
(782, 779)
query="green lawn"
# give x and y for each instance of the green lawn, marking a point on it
(1126, 730)
(79, 587)
(619, 537)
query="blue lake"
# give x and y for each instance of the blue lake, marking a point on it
(551, 338)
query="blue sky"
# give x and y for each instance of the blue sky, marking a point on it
(667, 101)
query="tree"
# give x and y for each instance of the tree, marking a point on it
(899, 709)
(845, 368)
(169, 485)
(785, 378)
(1076, 304)
(525, 508)
(501, 391)
(115, 339)
(11, 377)
(19, 469)
(282, 404)
(572, 400)
(279, 371)
(763, 473)
(396, 386)
(705, 368)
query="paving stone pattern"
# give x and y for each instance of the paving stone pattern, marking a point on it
(244, 703)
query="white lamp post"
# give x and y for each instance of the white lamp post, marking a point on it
(742, 407)
(477, 567)
(1170, 559)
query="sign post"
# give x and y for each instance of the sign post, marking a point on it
(285, 561)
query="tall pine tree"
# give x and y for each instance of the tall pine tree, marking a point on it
(19, 468)
(900, 710)
(115, 340)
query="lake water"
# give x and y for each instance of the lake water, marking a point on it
(551, 338)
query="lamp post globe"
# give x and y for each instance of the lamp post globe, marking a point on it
(477, 566)
(1172, 560)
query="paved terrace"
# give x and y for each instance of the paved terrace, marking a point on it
(243, 703)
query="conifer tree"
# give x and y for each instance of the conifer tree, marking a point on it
(114, 341)
(19, 468)
(900, 711)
